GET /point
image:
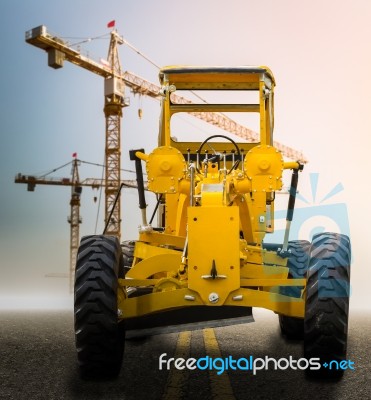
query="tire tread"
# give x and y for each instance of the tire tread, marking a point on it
(327, 301)
(99, 339)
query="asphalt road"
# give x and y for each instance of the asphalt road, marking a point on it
(38, 361)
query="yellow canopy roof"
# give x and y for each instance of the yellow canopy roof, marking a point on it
(206, 77)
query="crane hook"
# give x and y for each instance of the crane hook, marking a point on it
(140, 109)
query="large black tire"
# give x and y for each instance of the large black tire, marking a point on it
(293, 328)
(127, 247)
(327, 303)
(99, 336)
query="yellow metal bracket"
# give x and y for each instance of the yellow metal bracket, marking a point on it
(155, 264)
(176, 299)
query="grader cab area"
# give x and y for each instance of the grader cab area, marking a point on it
(207, 261)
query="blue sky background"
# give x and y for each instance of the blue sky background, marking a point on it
(318, 51)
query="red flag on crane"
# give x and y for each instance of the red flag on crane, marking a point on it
(111, 24)
(74, 155)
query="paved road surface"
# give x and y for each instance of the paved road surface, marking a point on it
(38, 361)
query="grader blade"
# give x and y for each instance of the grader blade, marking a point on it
(186, 319)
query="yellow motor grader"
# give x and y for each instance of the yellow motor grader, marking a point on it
(206, 262)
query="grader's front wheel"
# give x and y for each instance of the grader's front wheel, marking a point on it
(327, 303)
(293, 328)
(99, 336)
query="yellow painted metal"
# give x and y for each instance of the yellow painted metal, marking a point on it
(243, 282)
(259, 282)
(279, 303)
(181, 215)
(138, 282)
(212, 194)
(159, 301)
(165, 168)
(213, 240)
(171, 214)
(272, 282)
(217, 78)
(271, 258)
(155, 264)
(241, 185)
(177, 299)
(204, 77)
(121, 295)
(217, 146)
(264, 166)
(270, 197)
(211, 253)
(263, 271)
(244, 203)
(143, 250)
(205, 107)
(291, 165)
(162, 239)
(142, 156)
(252, 255)
(262, 113)
(164, 139)
(167, 284)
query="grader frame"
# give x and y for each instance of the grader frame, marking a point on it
(206, 262)
(216, 217)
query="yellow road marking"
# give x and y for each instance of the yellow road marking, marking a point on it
(176, 385)
(177, 380)
(220, 384)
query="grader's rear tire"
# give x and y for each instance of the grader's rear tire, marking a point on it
(293, 328)
(327, 303)
(127, 247)
(99, 336)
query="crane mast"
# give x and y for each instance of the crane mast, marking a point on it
(114, 101)
(74, 220)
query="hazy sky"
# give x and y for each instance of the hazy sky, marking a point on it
(319, 52)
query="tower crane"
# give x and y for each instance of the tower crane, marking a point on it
(74, 218)
(115, 81)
